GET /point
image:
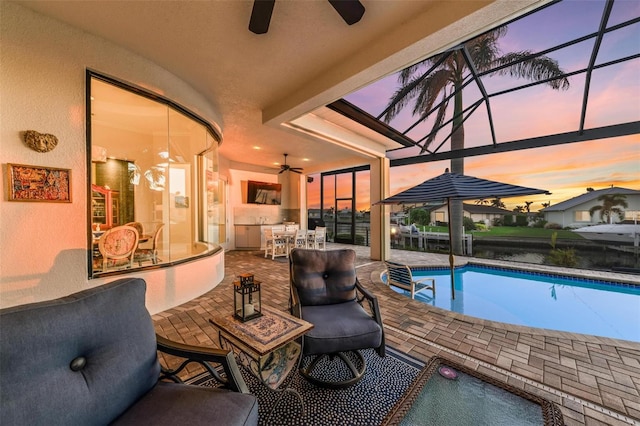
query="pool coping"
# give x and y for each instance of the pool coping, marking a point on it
(551, 274)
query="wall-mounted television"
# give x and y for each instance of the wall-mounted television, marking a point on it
(264, 193)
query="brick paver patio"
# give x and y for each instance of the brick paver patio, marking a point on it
(594, 380)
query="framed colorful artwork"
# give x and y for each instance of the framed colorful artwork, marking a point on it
(39, 183)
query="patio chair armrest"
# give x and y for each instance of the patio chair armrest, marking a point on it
(366, 293)
(294, 303)
(203, 356)
(375, 311)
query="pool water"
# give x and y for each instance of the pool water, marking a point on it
(538, 300)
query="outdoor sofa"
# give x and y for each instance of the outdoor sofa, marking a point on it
(91, 359)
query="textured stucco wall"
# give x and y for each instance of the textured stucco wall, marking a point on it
(42, 87)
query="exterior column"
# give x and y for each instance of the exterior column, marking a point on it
(380, 228)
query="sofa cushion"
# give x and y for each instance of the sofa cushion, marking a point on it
(78, 360)
(177, 404)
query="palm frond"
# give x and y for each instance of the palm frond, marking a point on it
(399, 100)
(484, 48)
(442, 109)
(433, 85)
(532, 68)
(414, 88)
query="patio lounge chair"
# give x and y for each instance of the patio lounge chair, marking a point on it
(400, 276)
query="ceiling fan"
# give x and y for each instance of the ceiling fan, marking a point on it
(284, 167)
(350, 10)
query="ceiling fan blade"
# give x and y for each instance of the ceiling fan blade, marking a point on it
(261, 16)
(295, 171)
(282, 171)
(350, 10)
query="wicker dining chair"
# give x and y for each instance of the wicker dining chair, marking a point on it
(146, 254)
(117, 247)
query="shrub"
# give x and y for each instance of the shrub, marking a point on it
(420, 217)
(540, 223)
(508, 220)
(468, 223)
(563, 257)
(551, 225)
(497, 221)
(521, 220)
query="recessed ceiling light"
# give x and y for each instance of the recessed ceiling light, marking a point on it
(305, 159)
(256, 147)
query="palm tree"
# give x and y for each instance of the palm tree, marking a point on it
(527, 206)
(497, 203)
(444, 75)
(482, 201)
(610, 207)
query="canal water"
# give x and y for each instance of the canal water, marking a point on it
(597, 258)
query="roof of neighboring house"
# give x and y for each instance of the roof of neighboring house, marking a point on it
(482, 209)
(478, 209)
(589, 196)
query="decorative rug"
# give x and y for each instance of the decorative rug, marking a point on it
(364, 404)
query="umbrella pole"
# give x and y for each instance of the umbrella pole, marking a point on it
(451, 258)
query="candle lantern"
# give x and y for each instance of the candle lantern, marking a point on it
(246, 298)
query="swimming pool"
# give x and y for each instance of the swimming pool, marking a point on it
(538, 300)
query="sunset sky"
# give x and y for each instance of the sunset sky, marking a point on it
(566, 170)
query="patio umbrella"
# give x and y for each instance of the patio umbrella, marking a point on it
(454, 186)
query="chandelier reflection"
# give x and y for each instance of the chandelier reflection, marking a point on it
(134, 173)
(155, 178)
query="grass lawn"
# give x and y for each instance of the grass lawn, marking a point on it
(514, 231)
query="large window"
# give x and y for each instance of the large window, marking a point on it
(153, 168)
(582, 216)
(341, 201)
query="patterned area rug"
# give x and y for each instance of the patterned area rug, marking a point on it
(364, 404)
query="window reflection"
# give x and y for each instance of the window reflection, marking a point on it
(153, 169)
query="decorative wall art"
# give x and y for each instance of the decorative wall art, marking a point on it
(40, 142)
(182, 202)
(38, 183)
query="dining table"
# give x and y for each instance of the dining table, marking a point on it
(289, 237)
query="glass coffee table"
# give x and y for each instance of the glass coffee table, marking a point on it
(267, 346)
(445, 392)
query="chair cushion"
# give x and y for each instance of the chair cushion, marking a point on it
(42, 374)
(177, 404)
(338, 328)
(323, 277)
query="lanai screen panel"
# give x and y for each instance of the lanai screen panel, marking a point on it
(567, 72)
